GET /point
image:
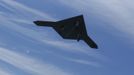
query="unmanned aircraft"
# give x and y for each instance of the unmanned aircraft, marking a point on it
(72, 28)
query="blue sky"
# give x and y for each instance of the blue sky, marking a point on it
(26, 49)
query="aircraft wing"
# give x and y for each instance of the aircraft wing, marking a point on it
(90, 42)
(44, 23)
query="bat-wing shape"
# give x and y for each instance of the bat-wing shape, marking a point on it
(72, 28)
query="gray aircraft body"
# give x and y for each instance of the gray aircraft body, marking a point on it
(72, 28)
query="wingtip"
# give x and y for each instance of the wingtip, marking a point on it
(35, 22)
(94, 46)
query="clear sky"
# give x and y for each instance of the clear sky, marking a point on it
(26, 49)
